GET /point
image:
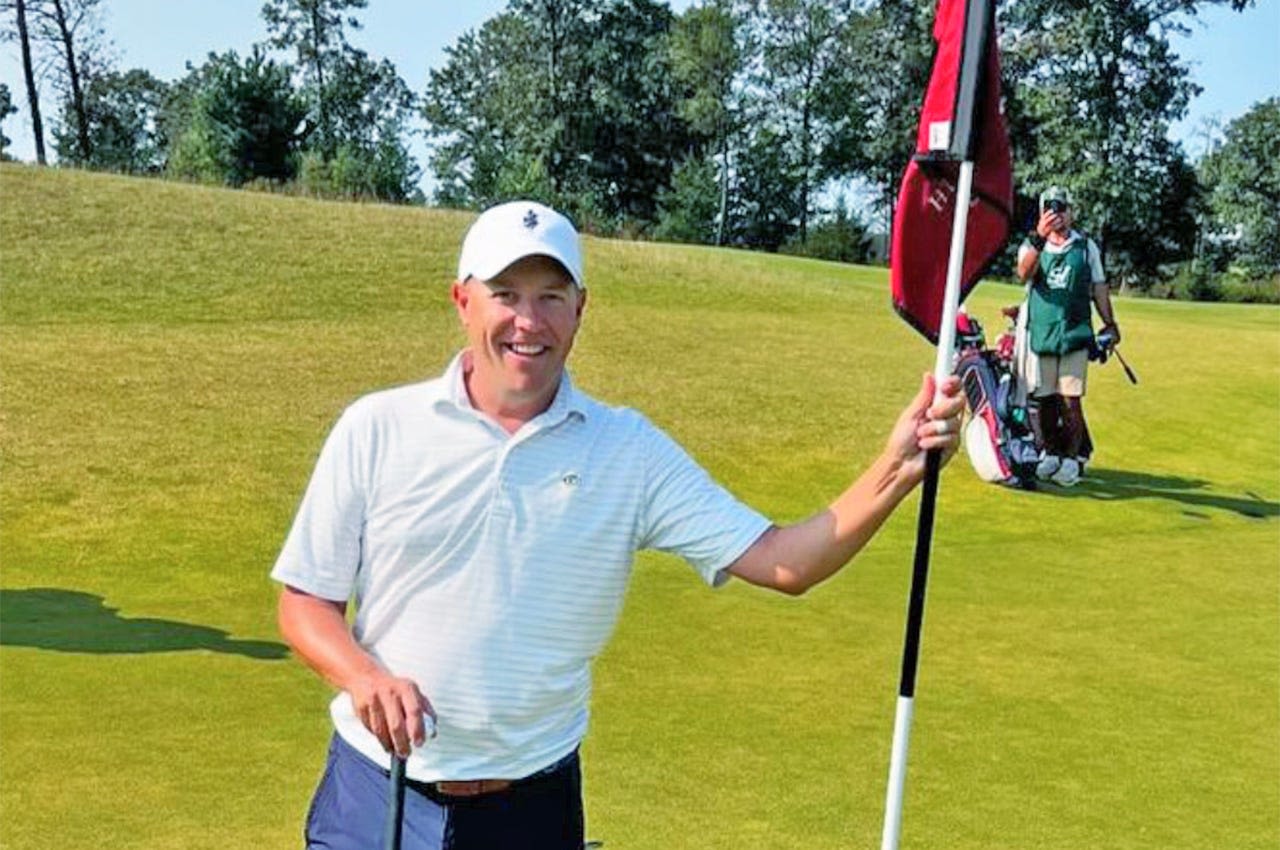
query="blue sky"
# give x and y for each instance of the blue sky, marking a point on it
(1235, 57)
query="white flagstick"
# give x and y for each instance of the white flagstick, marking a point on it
(915, 611)
(955, 268)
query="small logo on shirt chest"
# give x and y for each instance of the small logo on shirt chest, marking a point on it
(570, 479)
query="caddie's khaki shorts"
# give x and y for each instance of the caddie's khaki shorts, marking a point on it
(1062, 374)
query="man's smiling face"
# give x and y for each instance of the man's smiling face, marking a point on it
(520, 326)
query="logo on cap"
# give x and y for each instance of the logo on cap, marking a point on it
(531, 219)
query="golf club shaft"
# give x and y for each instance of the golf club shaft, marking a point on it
(1133, 379)
(395, 805)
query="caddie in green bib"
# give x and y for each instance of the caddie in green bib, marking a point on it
(1060, 301)
(1065, 280)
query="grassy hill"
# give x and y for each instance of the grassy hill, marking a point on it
(1101, 666)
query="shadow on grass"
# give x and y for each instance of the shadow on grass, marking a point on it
(73, 621)
(1120, 484)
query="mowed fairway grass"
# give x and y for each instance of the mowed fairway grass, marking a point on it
(1100, 669)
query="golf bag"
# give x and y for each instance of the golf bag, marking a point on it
(997, 437)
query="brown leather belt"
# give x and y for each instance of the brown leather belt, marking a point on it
(470, 787)
(462, 788)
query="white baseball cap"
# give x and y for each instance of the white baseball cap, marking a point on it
(514, 230)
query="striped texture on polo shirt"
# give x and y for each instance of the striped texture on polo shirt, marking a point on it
(491, 568)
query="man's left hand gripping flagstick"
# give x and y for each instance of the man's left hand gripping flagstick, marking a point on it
(960, 122)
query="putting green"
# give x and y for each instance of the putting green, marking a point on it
(1100, 668)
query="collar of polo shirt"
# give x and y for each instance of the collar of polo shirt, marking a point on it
(568, 401)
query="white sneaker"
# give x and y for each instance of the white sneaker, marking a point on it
(1068, 473)
(1047, 466)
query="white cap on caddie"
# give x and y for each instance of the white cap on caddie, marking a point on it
(1055, 193)
(514, 230)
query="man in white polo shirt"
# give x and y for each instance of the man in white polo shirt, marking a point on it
(485, 523)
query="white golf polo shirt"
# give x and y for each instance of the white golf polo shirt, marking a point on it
(490, 568)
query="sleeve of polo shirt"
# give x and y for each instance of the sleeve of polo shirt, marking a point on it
(1095, 263)
(688, 514)
(322, 552)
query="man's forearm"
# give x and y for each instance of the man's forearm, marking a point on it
(317, 630)
(390, 707)
(1027, 260)
(794, 558)
(1102, 301)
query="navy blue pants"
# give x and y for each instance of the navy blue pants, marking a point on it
(349, 810)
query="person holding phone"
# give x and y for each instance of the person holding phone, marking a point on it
(1063, 268)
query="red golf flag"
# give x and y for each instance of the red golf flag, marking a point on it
(961, 120)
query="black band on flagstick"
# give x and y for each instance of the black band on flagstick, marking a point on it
(979, 22)
(395, 805)
(920, 574)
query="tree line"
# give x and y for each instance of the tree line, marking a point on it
(736, 122)
(306, 108)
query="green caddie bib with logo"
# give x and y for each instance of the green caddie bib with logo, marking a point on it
(1059, 320)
